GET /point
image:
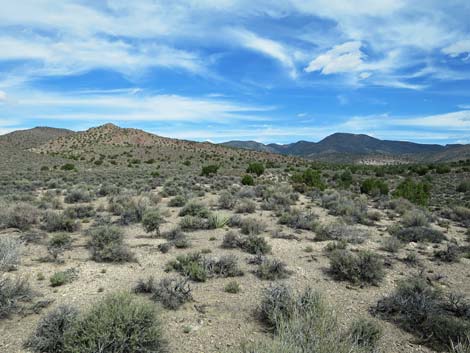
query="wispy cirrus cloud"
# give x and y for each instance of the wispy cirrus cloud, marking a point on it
(130, 105)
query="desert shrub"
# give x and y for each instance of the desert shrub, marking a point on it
(12, 292)
(374, 187)
(152, 220)
(277, 198)
(419, 234)
(342, 232)
(119, 323)
(277, 301)
(194, 209)
(193, 266)
(231, 240)
(255, 168)
(364, 267)
(450, 254)
(177, 201)
(416, 192)
(302, 323)
(172, 292)
(232, 287)
(415, 218)
(419, 308)
(21, 216)
(341, 204)
(49, 334)
(309, 178)
(247, 180)
(461, 214)
(10, 253)
(272, 269)
(79, 211)
(253, 244)
(216, 221)
(132, 209)
(298, 219)
(225, 266)
(365, 333)
(442, 169)
(68, 167)
(400, 205)
(336, 245)
(392, 244)
(145, 286)
(226, 200)
(176, 237)
(107, 245)
(209, 170)
(193, 223)
(464, 186)
(57, 244)
(58, 222)
(252, 226)
(63, 277)
(77, 195)
(198, 268)
(108, 189)
(235, 221)
(245, 206)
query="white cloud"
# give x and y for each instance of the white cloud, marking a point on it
(341, 58)
(130, 106)
(458, 48)
(265, 46)
(3, 96)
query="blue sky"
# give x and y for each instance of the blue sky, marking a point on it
(271, 71)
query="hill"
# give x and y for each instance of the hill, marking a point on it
(112, 145)
(26, 139)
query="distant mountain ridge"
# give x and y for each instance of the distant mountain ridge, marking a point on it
(346, 144)
(338, 147)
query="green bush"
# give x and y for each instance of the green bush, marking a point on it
(416, 192)
(118, 324)
(209, 170)
(232, 287)
(464, 186)
(68, 167)
(63, 277)
(107, 245)
(364, 267)
(59, 222)
(374, 187)
(195, 209)
(152, 220)
(247, 180)
(310, 178)
(255, 168)
(58, 243)
(420, 234)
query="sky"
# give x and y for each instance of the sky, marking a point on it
(219, 70)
